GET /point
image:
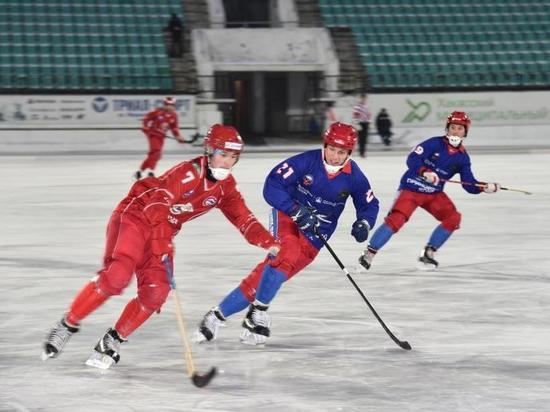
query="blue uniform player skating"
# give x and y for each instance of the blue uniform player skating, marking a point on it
(430, 164)
(308, 193)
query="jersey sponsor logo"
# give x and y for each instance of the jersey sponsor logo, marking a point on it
(308, 180)
(178, 209)
(209, 201)
(172, 220)
(187, 194)
(369, 196)
(418, 150)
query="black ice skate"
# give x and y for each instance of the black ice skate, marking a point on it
(256, 325)
(427, 258)
(57, 339)
(366, 258)
(106, 352)
(209, 326)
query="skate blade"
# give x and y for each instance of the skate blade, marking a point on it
(100, 361)
(199, 337)
(46, 355)
(426, 267)
(252, 339)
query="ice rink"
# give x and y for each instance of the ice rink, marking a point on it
(479, 325)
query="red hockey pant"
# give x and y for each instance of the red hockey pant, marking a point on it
(296, 253)
(439, 205)
(155, 151)
(127, 252)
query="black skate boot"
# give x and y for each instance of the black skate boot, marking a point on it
(209, 326)
(366, 258)
(427, 258)
(57, 339)
(106, 352)
(256, 325)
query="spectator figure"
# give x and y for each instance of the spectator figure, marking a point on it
(330, 114)
(175, 28)
(383, 126)
(361, 117)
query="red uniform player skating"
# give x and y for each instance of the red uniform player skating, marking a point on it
(139, 240)
(156, 124)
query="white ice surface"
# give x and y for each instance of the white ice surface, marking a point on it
(479, 326)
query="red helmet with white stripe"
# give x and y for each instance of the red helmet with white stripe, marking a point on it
(169, 101)
(224, 138)
(459, 118)
(341, 135)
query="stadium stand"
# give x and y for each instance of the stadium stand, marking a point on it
(428, 44)
(64, 45)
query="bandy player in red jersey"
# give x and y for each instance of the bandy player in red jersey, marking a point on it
(155, 126)
(139, 240)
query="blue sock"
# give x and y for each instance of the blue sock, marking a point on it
(438, 237)
(270, 283)
(233, 303)
(380, 237)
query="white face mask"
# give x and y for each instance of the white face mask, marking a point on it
(454, 141)
(220, 173)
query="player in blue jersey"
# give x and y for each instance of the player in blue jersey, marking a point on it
(308, 193)
(430, 164)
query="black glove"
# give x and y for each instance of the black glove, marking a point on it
(307, 219)
(360, 230)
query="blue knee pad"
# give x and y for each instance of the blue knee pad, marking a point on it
(380, 237)
(271, 281)
(233, 303)
(439, 236)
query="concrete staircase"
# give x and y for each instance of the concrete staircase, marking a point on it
(183, 69)
(353, 78)
(309, 13)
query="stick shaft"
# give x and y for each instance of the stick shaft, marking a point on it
(183, 335)
(404, 345)
(482, 185)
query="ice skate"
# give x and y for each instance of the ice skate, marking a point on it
(426, 259)
(57, 339)
(256, 325)
(106, 352)
(366, 258)
(209, 326)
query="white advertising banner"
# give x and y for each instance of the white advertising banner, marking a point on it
(87, 111)
(498, 118)
(484, 108)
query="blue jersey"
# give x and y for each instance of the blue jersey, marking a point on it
(303, 179)
(440, 157)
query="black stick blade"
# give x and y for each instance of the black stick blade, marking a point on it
(200, 381)
(404, 345)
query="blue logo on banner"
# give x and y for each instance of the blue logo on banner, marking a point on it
(100, 104)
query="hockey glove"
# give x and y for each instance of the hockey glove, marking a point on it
(431, 177)
(491, 187)
(360, 230)
(307, 219)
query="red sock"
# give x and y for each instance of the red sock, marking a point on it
(87, 300)
(132, 317)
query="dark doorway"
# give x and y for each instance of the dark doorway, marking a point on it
(247, 13)
(276, 102)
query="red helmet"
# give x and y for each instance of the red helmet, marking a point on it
(341, 135)
(169, 101)
(459, 118)
(226, 138)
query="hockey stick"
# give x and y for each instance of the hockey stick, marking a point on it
(482, 185)
(198, 380)
(402, 344)
(193, 138)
